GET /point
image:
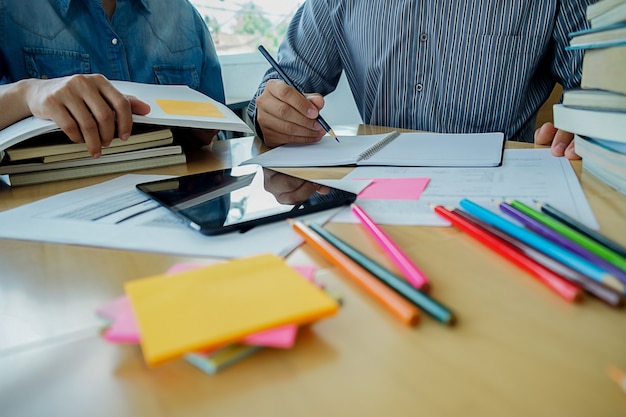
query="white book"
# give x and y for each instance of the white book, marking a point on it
(602, 6)
(170, 105)
(612, 16)
(392, 149)
(607, 125)
(605, 160)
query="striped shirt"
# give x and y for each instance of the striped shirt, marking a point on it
(442, 66)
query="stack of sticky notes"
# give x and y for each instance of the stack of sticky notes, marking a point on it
(214, 315)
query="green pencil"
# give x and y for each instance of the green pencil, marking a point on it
(572, 234)
(398, 284)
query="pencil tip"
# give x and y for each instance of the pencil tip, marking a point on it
(332, 133)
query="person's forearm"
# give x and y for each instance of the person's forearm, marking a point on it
(13, 103)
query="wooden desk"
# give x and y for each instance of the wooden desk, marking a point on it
(518, 350)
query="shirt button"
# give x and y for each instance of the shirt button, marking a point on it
(419, 87)
(44, 77)
(114, 41)
(423, 37)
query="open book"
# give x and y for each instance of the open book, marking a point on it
(170, 105)
(392, 149)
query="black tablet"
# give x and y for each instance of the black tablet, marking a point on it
(240, 198)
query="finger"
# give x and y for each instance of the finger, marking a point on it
(561, 141)
(88, 127)
(273, 110)
(289, 95)
(274, 138)
(545, 134)
(92, 112)
(570, 152)
(118, 106)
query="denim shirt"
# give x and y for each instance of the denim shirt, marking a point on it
(156, 42)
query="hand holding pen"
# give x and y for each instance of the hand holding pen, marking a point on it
(285, 115)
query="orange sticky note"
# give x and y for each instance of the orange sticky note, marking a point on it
(189, 108)
(213, 306)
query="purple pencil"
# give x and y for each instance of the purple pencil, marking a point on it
(559, 239)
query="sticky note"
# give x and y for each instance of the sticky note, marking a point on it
(189, 108)
(394, 188)
(216, 305)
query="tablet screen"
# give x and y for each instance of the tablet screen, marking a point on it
(242, 197)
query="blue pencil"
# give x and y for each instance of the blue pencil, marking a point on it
(551, 234)
(544, 245)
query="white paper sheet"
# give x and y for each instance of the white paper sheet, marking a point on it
(525, 175)
(115, 215)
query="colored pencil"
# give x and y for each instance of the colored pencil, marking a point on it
(575, 224)
(572, 234)
(544, 245)
(394, 302)
(412, 273)
(289, 82)
(602, 292)
(398, 284)
(549, 233)
(565, 289)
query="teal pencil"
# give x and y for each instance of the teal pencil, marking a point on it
(572, 234)
(398, 284)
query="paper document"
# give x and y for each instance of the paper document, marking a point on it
(114, 214)
(525, 175)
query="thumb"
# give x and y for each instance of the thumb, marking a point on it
(316, 99)
(137, 106)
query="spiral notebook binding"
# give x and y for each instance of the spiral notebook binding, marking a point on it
(378, 146)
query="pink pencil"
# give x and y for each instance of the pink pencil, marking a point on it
(412, 273)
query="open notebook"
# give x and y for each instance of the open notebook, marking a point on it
(392, 149)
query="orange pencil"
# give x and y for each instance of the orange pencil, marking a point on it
(396, 304)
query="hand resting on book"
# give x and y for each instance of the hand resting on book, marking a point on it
(88, 108)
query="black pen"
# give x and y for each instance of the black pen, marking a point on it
(286, 79)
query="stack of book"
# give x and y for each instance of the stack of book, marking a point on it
(53, 157)
(596, 113)
(35, 151)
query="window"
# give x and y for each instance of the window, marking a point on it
(239, 26)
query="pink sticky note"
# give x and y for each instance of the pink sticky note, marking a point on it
(111, 309)
(124, 328)
(394, 188)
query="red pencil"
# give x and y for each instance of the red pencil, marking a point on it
(556, 283)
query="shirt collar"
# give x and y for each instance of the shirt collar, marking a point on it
(64, 5)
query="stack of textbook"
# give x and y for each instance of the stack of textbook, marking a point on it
(35, 151)
(53, 157)
(596, 113)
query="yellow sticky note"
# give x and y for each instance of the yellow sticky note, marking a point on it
(189, 108)
(212, 306)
